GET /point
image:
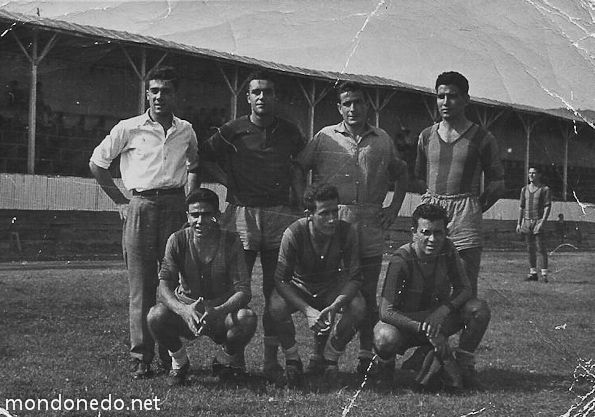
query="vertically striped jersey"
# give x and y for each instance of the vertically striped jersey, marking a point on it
(534, 203)
(455, 168)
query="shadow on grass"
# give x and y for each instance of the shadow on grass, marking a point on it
(511, 380)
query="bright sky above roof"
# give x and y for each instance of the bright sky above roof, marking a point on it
(539, 53)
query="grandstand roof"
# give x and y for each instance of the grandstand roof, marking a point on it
(529, 56)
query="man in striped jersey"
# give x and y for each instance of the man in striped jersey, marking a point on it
(536, 203)
(451, 156)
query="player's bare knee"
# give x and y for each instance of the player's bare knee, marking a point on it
(478, 310)
(157, 316)
(357, 308)
(278, 307)
(385, 339)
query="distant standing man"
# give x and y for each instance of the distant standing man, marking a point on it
(318, 274)
(362, 162)
(205, 290)
(536, 203)
(451, 156)
(256, 154)
(156, 150)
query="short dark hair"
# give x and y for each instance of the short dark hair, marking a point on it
(319, 192)
(261, 75)
(347, 86)
(453, 78)
(535, 168)
(429, 212)
(203, 195)
(165, 73)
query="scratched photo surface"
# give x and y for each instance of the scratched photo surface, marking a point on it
(71, 70)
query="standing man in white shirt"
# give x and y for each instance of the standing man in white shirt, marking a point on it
(156, 151)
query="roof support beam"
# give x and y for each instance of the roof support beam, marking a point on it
(35, 59)
(234, 88)
(568, 130)
(141, 73)
(528, 123)
(377, 105)
(430, 106)
(312, 99)
(486, 117)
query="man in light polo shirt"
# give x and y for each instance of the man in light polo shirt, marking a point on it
(361, 161)
(156, 150)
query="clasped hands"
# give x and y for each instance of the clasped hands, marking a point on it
(321, 322)
(431, 327)
(200, 316)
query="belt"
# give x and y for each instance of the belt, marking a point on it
(158, 191)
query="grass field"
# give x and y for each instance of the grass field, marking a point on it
(63, 334)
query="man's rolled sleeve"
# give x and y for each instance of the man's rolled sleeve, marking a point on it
(170, 267)
(287, 258)
(421, 162)
(241, 278)
(306, 159)
(491, 161)
(110, 147)
(192, 152)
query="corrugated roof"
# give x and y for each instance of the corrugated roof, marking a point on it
(369, 80)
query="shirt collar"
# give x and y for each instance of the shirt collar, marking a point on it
(341, 128)
(146, 119)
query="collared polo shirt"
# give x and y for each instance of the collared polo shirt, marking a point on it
(361, 168)
(149, 158)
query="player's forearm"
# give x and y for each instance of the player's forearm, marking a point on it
(233, 303)
(107, 184)
(168, 297)
(546, 214)
(291, 296)
(193, 181)
(389, 315)
(494, 190)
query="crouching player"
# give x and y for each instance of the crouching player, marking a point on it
(204, 291)
(426, 297)
(318, 273)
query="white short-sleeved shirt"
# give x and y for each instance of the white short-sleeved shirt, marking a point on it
(149, 158)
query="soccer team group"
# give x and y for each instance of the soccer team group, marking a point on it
(190, 265)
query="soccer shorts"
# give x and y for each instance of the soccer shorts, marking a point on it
(259, 228)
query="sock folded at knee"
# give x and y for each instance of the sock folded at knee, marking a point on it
(179, 358)
(532, 270)
(544, 272)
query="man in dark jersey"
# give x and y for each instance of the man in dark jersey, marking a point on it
(256, 154)
(426, 297)
(536, 203)
(451, 157)
(204, 290)
(318, 274)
